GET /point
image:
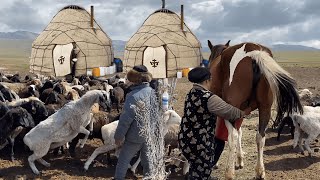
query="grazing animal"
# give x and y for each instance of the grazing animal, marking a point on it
(99, 119)
(28, 91)
(308, 123)
(63, 126)
(12, 123)
(6, 92)
(247, 75)
(117, 96)
(286, 120)
(108, 131)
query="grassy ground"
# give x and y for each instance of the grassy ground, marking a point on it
(14, 55)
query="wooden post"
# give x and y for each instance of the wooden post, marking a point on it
(163, 4)
(92, 17)
(182, 21)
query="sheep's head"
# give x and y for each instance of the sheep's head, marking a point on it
(104, 100)
(171, 117)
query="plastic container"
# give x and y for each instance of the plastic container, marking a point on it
(102, 71)
(165, 101)
(179, 74)
(89, 73)
(96, 72)
(185, 72)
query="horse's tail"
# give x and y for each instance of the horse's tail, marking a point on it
(283, 86)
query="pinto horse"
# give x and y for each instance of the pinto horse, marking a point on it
(247, 75)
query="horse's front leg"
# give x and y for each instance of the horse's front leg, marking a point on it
(240, 153)
(232, 137)
(264, 117)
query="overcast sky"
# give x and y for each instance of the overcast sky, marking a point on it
(262, 21)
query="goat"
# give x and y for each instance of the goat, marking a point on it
(12, 123)
(63, 126)
(308, 123)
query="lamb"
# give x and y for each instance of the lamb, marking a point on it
(308, 123)
(63, 126)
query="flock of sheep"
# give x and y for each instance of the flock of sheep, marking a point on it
(49, 113)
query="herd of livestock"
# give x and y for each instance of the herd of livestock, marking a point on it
(48, 113)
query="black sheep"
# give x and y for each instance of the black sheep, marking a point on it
(287, 120)
(6, 93)
(12, 123)
(28, 91)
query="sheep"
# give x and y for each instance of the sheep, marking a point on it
(117, 96)
(308, 123)
(63, 126)
(6, 92)
(12, 123)
(288, 120)
(304, 94)
(99, 119)
(28, 91)
(108, 131)
(171, 131)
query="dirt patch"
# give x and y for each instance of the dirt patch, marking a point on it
(281, 161)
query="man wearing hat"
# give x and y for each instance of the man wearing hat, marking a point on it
(197, 129)
(127, 132)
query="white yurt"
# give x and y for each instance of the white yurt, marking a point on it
(72, 41)
(164, 44)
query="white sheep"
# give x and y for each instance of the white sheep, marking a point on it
(63, 126)
(308, 123)
(304, 94)
(170, 117)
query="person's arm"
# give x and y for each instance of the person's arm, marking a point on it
(125, 120)
(224, 110)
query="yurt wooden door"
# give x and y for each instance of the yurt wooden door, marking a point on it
(155, 60)
(61, 59)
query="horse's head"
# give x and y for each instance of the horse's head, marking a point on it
(216, 50)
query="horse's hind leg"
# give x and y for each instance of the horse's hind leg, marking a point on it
(232, 137)
(240, 153)
(264, 117)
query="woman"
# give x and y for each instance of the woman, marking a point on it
(196, 136)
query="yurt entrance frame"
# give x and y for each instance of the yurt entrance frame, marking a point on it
(165, 58)
(72, 55)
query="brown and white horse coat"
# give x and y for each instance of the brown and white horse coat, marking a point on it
(247, 75)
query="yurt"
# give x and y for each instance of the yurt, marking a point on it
(72, 43)
(164, 44)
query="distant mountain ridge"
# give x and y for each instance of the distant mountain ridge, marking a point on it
(25, 35)
(286, 47)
